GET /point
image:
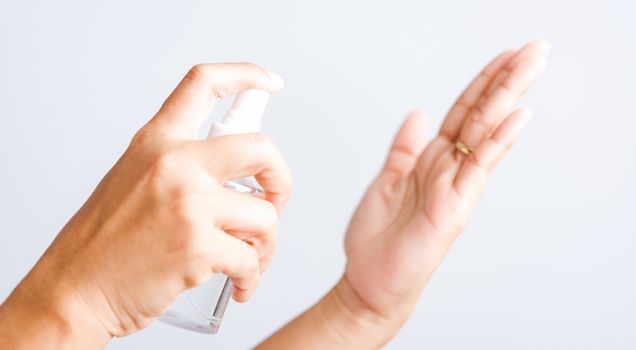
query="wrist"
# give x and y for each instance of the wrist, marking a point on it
(48, 313)
(357, 322)
(340, 320)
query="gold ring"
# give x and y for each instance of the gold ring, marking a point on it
(462, 147)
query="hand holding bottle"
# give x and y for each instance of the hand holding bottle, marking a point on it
(161, 220)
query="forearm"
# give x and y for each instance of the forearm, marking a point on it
(338, 321)
(40, 315)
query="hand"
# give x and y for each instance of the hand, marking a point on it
(422, 199)
(161, 221)
(415, 209)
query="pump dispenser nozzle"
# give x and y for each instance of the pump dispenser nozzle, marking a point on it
(245, 114)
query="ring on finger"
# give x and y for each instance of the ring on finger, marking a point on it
(463, 148)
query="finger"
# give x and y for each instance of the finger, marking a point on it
(235, 156)
(490, 110)
(266, 259)
(455, 118)
(431, 154)
(407, 145)
(265, 245)
(242, 212)
(189, 105)
(242, 295)
(249, 219)
(239, 261)
(475, 170)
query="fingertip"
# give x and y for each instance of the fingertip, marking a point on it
(410, 134)
(277, 82)
(236, 296)
(417, 112)
(526, 114)
(419, 117)
(539, 45)
(535, 52)
(241, 296)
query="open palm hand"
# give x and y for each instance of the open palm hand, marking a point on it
(424, 195)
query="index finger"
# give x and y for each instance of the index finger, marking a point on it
(188, 106)
(235, 156)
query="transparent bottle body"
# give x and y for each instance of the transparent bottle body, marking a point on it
(201, 309)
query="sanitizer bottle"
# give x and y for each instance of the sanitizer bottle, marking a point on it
(201, 309)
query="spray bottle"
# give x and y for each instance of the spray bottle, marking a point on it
(201, 309)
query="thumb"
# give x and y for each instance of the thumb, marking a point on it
(408, 144)
(191, 102)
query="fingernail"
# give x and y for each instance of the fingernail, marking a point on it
(275, 78)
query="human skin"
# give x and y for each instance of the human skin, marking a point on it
(416, 208)
(158, 223)
(405, 224)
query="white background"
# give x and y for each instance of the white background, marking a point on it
(548, 259)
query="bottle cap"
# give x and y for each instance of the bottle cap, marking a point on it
(245, 114)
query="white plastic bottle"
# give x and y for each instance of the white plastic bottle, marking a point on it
(201, 309)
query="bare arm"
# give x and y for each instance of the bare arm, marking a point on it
(416, 208)
(159, 222)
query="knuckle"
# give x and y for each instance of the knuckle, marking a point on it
(203, 76)
(171, 168)
(184, 208)
(141, 137)
(475, 159)
(265, 242)
(196, 73)
(270, 219)
(163, 166)
(190, 236)
(478, 117)
(270, 240)
(478, 110)
(252, 265)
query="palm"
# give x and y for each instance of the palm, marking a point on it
(423, 197)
